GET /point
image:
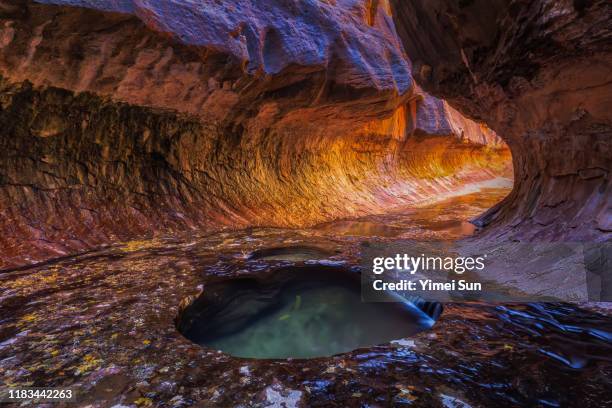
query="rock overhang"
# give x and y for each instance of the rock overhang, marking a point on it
(268, 37)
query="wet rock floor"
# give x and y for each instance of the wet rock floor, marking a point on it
(104, 323)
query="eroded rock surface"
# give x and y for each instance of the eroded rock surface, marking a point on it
(120, 125)
(539, 73)
(103, 323)
(217, 60)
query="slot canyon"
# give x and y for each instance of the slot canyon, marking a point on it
(152, 149)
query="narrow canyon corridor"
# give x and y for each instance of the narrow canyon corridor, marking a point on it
(189, 191)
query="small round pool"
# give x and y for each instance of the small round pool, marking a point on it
(295, 312)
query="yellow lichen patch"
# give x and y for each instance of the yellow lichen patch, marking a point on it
(406, 393)
(144, 402)
(28, 319)
(49, 279)
(132, 246)
(88, 363)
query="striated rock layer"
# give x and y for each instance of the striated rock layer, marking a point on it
(540, 74)
(116, 126)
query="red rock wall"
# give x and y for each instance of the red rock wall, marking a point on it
(539, 73)
(112, 130)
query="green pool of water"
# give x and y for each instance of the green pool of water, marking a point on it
(302, 314)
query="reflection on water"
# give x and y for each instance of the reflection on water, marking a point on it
(444, 220)
(295, 253)
(304, 312)
(455, 227)
(361, 228)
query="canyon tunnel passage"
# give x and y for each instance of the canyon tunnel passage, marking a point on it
(150, 150)
(80, 171)
(100, 153)
(115, 136)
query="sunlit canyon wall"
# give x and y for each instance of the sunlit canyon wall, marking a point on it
(540, 74)
(158, 117)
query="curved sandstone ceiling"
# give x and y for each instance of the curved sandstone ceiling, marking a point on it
(128, 118)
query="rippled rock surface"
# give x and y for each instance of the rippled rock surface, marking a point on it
(105, 322)
(165, 117)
